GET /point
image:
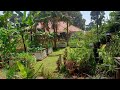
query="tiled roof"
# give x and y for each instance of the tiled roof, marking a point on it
(61, 27)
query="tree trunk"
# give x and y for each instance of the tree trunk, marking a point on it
(56, 33)
(97, 28)
(34, 38)
(67, 34)
(24, 43)
(55, 45)
(97, 58)
(31, 34)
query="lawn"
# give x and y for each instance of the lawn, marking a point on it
(2, 74)
(49, 63)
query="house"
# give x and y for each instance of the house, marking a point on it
(62, 26)
(61, 29)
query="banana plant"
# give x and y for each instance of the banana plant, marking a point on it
(30, 21)
(21, 23)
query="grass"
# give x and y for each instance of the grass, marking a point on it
(49, 63)
(2, 74)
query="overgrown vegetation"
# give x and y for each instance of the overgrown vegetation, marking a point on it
(90, 53)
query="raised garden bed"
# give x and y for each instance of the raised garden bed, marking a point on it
(62, 45)
(49, 50)
(40, 55)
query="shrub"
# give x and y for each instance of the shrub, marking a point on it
(83, 55)
(23, 67)
(108, 62)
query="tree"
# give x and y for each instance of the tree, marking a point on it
(68, 19)
(97, 17)
(114, 22)
(83, 24)
(21, 21)
(54, 17)
(32, 22)
(4, 19)
(71, 17)
(76, 18)
(90, 26)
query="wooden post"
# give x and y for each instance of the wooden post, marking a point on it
(118, 72)
(66, 52)
(67, 34)
(117, 60)
(24, 43)
(65, 56)
(59, 62)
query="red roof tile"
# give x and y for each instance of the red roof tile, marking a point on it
(61, 27)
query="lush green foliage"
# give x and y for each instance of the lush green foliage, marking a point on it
(23, 67)
(20, 28)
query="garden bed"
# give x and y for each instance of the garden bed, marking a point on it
(49, 50)
(61, 45)
(40, 55)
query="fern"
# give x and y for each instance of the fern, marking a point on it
(22, 72)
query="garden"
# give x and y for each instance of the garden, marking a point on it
(32, 48)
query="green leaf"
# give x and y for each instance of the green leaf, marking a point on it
(22, 70)
(30, 21)
(19, 13)
(11, 72)
(24, 17)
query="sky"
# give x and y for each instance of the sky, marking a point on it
(86, 15)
